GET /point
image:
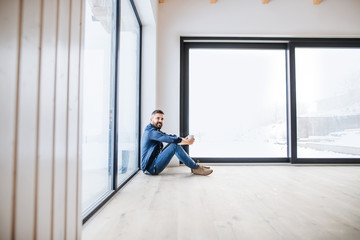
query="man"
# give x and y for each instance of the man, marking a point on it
(155, 158)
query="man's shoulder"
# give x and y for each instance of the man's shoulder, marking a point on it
(149, 129)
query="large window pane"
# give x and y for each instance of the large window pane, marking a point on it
(328, 102)
(237, 102)
(97, 102)
(128, 94)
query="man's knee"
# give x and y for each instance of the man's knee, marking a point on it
(173, 145)
(170, 148)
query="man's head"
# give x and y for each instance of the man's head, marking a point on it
(157, 118)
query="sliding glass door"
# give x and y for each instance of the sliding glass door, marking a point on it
(128, 93)
(237, 102)
(110, 100)
(252, 100)
(328, 102)
(98, 103)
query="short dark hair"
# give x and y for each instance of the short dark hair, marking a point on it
(157, 111)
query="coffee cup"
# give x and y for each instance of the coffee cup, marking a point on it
(190, 136)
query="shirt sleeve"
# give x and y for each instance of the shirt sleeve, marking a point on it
(163, 137)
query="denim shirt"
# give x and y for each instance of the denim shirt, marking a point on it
(151, 144)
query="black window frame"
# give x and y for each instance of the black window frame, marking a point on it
(288, 44)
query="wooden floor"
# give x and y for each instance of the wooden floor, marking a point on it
(235, 202)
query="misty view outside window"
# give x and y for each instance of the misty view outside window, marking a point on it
(328, 102)
(97, 102)
(128, 75)
(237, 102)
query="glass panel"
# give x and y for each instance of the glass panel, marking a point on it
(328, 102)
(97, 102)
(237, 102)
(128, 94)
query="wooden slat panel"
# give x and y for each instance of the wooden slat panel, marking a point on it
(46, 120)
(73, 123)
(30, 66)
(80, 116)
(9, 37)
(61, 121)
(27, 120)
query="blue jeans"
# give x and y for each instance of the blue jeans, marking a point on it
(163, 159)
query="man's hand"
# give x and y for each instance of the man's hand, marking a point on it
(186, 141)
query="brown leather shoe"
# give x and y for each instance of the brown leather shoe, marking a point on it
(201, 171)
(202, 166)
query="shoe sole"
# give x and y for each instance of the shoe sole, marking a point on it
(204, 174)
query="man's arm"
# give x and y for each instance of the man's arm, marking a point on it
(163, 137)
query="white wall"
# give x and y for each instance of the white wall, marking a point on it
(147, 11)
(295, 18)
(39, 123)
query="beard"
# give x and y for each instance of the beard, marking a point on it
(158, 125)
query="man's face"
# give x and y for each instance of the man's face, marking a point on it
(157, 120)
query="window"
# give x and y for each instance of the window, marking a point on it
(111, 100)
(98, 103)
(271, 99)
(328, 102)
(237, 102)
(128, 94)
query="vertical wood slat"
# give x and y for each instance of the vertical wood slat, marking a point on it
(60, 144)
(73, 108)
(80, 117)
(46, 120)
(9, 37)
(27, 120)
(32, 58)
